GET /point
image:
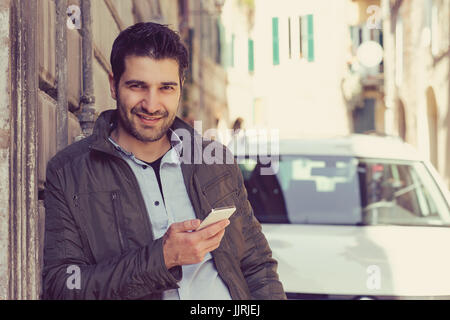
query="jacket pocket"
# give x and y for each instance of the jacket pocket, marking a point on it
(210, 184)
(220, 191)
(101, 217)
(118, 215)
(228, 199)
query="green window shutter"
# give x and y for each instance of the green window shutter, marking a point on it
(310, 37)
(233, 39)
(276, 42)
(251, 56)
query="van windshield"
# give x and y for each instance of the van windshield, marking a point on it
(343, 190)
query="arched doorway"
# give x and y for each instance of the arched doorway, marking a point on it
(432, 117)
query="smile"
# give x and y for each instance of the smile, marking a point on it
(148, 120)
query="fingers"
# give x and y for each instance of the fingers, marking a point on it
(214, 242)
(212, 230)
(185, 226)
(181, 247)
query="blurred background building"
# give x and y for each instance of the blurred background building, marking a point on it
(417, 76)
(204, 97)
(238, 58)
(306, 68)
(301, 51)
(363, 83)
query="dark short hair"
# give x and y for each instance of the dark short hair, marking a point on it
(148, 39)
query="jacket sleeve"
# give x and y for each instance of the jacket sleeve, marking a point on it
(70, 273)
(257, 264)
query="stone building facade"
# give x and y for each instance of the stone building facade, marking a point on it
(417, 76)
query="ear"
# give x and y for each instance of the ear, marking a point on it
(112, 86)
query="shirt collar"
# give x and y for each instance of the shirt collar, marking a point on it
(172, 156)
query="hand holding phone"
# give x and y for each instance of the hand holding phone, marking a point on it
(181, 246)
(216, 215)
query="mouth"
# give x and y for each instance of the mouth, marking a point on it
(148, 120)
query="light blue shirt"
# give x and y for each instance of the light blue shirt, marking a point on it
(199, 281)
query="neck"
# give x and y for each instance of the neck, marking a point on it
(145, 151)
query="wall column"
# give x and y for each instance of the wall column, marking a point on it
(24, 276)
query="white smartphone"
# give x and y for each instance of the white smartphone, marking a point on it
(216, 215)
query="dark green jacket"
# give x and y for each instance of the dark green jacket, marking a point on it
(96, 220)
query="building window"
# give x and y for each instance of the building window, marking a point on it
(219, 32)
(276, 42)
(364, 118)
(436, 22)
(233, 40)
(306, 31)
(356, 41)
(300, 32)
(251, 56)
(434, 29)
(310, 20)
(290, 38)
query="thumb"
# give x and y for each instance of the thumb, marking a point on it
(184, 226)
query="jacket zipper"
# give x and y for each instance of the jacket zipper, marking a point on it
(138, 193)
(115, 197)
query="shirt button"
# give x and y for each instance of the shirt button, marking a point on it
(144, 167)
(156, 203)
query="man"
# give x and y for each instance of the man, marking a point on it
(122, 205)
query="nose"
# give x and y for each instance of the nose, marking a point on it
(151, 102)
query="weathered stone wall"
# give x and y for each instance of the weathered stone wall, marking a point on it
(28, 105)
(5, 134)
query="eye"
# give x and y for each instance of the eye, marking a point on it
(167, 88)
(136, 85)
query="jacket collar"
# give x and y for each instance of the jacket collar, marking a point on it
(102, 129)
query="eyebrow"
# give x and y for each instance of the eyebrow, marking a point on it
(164, 83)
(169, 83)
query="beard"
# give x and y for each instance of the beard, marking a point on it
(141, 132)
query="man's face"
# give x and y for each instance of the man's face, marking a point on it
(147, 96)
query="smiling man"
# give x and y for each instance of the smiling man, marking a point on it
(147, 100)
(122, 209)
